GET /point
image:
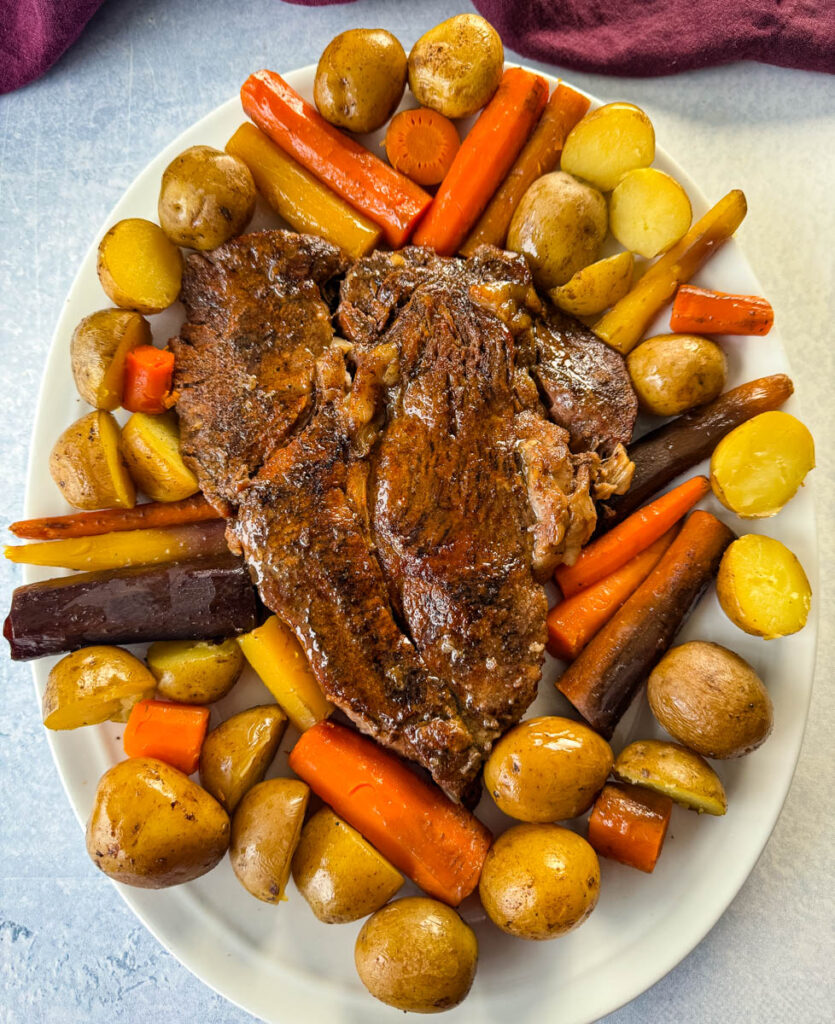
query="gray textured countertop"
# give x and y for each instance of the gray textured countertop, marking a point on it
(70, 950)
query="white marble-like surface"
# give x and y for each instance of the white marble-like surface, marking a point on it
(70, 950)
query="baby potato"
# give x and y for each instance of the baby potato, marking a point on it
(608, 142)
(649, 211)
(675, 372)
(539, 881)
(236, 755)
(711, 700)
(265, 832)
(456, 66)
(762, 587)
(547, 769)
(97, 351)
(93, 685)
(559, 224)
(417, 955)
(151, 446)
(139, 267)
(206, 197)
(757, 468)
(339, 873)
(675, 771)
(360, 79)
(88, 465)
(195, 671)
(595, 287)
(152, 827)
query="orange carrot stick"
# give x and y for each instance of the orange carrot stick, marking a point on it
(572, 623)
(485, 157)
(113, 520)
(147, 379)
(624, 541)
(702, 311)
(628, 824)
(421, 143)
(365, 181)
(437, 843)
(540, 155)
(174, 733)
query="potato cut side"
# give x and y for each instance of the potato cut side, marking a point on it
(595, 287)
(649, 211)
(151, 445)
(675, 771)
(607, 143)
(757, 468)
(87, 464)
(98, 349)
(94, 685)
(138, 267)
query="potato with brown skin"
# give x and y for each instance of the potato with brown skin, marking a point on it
(675, 372)
(675, 771)
(152, 827)
(559, 225)
(235, 756)
(88, 465)
(195, 671)
(417, 955)
(360, 79)
(539, 881)
(711, 700)
(595, 287)
(93, 685)
(98, 349)
(265, 832)
(151, 447)
(456, 66)
(547, 769)
(339, 873)
(139, 267)
(206, 197)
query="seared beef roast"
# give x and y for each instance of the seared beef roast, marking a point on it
(399, 494)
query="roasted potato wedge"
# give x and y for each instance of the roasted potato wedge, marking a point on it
(195, 671)
(595, 287)
(139, 267)
(88, 465)
(93, 685)
(360, 79)
(675, 771)
(757, 468)
(607, 143)
(762, 587)
(649, 211)
(97, 351)
(151, 446)
(675, 372)
(236, 755)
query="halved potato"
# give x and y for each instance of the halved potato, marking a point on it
(88, 466)
(138, 267)
(97, 350)
(762, 587)
(93, 685)
(608, 142)
(649, 211)
(151, 445)
(595, 287)
(236, 755)
(757, 468)
(675, 771)
(195, 671)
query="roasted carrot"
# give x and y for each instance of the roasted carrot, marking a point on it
(147, 379)
(111, 520)
(437, 843)
(609, 670)
(617, 547)
(572, 623)
(539, 156)
(173, 733)
(702, 311)
(366, 182)
(679, 445)
(421, 143)
(485, 157)
(628, 824)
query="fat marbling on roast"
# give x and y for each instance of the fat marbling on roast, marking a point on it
(401, 491)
